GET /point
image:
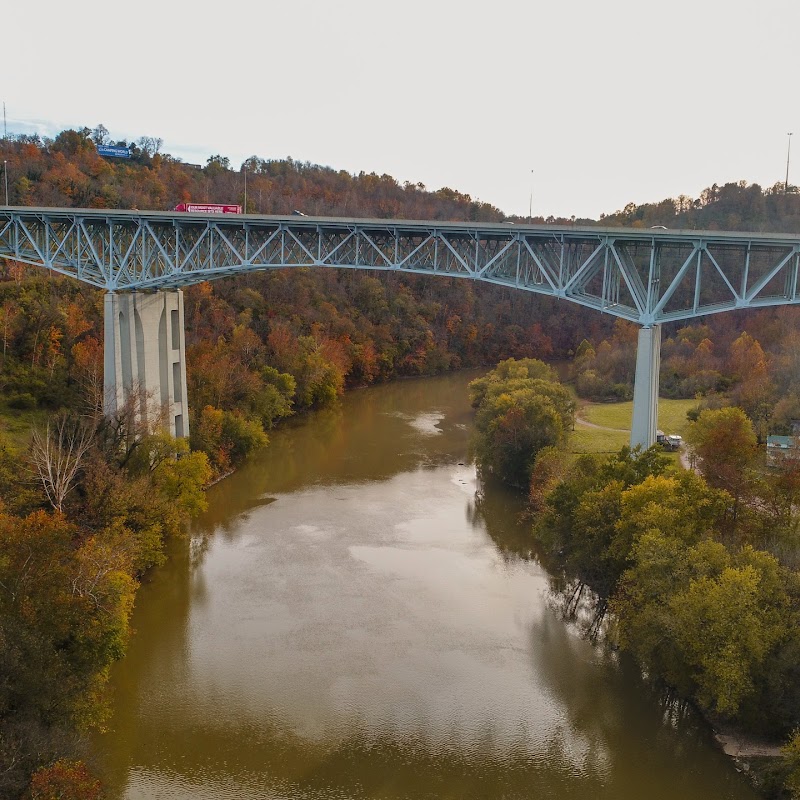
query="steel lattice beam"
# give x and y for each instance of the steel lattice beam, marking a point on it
(646, 276)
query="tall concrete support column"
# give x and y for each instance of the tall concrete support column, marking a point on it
(145, 358)
(645, 387)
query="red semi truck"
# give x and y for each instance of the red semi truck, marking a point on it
(208, 208)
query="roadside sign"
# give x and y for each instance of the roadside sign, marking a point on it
(113, 152)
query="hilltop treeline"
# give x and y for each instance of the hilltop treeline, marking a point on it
(67, 171)
(731, 207)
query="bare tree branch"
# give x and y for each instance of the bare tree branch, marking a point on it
(57, 455)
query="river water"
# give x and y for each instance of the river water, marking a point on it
(355, 617)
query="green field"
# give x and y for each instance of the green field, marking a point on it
(592, 440)
(671, 419)
(16, 425)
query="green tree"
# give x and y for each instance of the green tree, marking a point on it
(558, 528)
(511, 430)
(715, 626)
(66, 609)
(274, 402)
(511, 370)
(521, 409)
(180, 480)
(791, 758)
(724, 633)
(683, 506)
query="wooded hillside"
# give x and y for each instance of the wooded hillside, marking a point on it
(261, 346)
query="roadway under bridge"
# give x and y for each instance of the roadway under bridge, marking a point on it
(142, 259)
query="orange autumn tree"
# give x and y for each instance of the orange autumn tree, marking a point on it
(725, 443)
(64, 780)
(754, 389)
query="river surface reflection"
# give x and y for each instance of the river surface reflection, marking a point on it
(354, 619)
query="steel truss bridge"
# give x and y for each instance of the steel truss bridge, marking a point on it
(645, 276)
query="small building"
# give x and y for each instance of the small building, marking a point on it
(781, 448)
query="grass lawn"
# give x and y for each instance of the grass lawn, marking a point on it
(16, 425)
(671, 419)
(671, 414)
(594, 440)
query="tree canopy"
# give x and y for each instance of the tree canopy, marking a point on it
(521, 409)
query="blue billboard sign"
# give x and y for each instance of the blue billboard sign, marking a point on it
(113, 152)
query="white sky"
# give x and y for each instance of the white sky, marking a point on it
(588, 105)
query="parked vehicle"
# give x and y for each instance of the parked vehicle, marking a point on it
(669, 442)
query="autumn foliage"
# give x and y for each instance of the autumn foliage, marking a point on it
(64, 780)
(262, 347)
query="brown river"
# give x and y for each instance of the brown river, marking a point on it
(356, 617)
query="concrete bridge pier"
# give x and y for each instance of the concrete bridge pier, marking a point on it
(145, 358)
(645, 387)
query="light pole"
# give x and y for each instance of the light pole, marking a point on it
(244, 167)
(788, 153)
(530, 202)
(5, 177)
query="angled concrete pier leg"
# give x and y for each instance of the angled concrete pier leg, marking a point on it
(144, 358)
(645, 387)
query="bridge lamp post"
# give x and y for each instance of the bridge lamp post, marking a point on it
(5, 178)
(530, 202)
(788, 153)
(244, 167)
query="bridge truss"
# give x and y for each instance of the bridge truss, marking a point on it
(142, 259)
(645, 276)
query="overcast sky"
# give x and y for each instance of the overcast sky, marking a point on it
(586, 105)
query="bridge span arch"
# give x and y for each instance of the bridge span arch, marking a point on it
(646, 276)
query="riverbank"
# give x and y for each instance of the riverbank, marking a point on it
(759, 759)
(742, 746)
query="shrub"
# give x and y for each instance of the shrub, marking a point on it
(22, 401)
